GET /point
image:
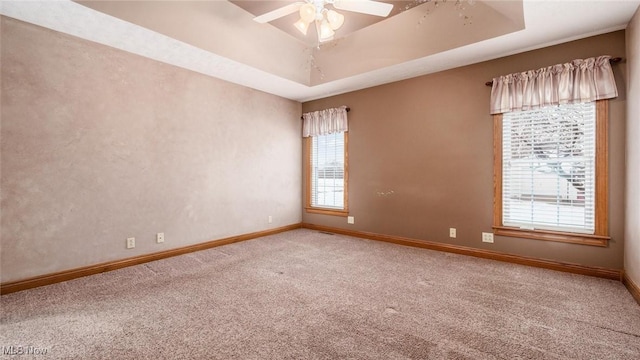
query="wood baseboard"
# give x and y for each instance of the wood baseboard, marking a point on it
(486, 254)
(61, 276)
(631, 286)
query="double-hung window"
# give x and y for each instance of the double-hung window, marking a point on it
(552, 163)
(550, 152)
(327, 173)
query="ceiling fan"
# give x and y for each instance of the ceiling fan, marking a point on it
(326, 20)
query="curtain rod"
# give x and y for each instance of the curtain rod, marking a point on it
(614, 60)
(348, 109)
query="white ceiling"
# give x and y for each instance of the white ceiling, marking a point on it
(546, 23)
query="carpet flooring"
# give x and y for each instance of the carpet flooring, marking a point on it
(304, 294)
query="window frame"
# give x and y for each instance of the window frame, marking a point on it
(320, 210)
(601, 233)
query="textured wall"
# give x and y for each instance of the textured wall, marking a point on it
(632, 223)
(98, 145)
(430, 141)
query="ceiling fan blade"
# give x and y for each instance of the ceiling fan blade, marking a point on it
(278, 13)
(364, 6)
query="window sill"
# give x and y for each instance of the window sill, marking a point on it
(343, 213)
(573, 238)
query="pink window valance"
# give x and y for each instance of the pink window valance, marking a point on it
(580, 80)
(323, 122)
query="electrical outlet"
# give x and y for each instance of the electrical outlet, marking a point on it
(160, 238)
(351, 220)
(270, 219)
(487, 237)
(131, 243)
(452, 232)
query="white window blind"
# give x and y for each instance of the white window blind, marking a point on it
(327, 171)
(548, 165)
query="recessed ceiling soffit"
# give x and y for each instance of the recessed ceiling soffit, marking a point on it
(414, 29)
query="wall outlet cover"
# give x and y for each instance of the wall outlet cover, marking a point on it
(487, 237)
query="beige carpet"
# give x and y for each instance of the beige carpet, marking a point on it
(308, 295)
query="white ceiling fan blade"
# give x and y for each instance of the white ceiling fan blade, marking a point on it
(278, 13)
(364, 6)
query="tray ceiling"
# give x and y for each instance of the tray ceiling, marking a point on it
(220, 38)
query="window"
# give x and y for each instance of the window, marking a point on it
(327, 174)
(551, 173)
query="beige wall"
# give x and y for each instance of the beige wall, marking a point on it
(632, 228)
(98, 145)
(429, 141)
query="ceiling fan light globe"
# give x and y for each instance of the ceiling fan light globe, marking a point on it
(302, 26)
(308, 12)
(326, 32)
(335, 19)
